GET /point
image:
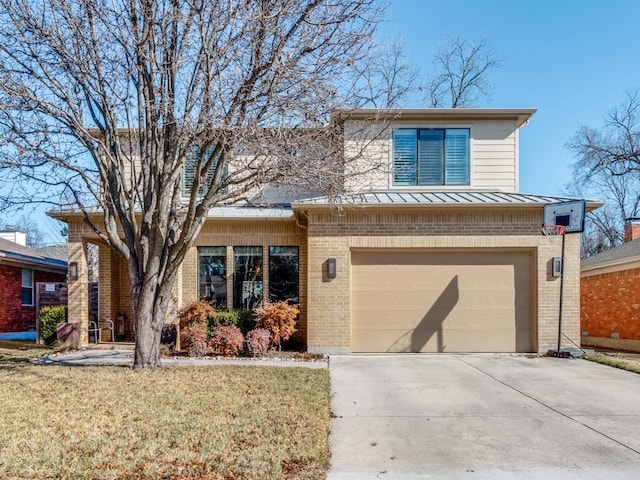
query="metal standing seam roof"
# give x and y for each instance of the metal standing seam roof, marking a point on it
(626, 251)
(442, 198)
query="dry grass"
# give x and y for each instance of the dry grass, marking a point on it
(622, 363)
(174, 423)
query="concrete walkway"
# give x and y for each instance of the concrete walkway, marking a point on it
(92, 357)
(482, 417)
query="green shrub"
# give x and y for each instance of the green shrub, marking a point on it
(226, 340)
(49, 318)
(246, 320)
(224, 317)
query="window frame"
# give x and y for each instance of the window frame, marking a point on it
(27, 287)
(416, 170)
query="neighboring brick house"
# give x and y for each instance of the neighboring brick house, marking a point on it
(609, 295)
(436, 251)
(21, 269)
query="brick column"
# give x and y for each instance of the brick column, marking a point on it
(78, 302)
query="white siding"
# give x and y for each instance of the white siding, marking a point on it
(494, 154)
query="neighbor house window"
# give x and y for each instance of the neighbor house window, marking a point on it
(430, 156)
(27, 287)
(212, 273)
(283, 274)
(247, 277)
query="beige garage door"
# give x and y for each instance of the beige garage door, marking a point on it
(441, 301)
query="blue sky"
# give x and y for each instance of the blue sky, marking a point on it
(572, 60)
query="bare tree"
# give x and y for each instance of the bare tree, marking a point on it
(608, 166)
(388, 78)
(25, 224)
(108, 104)
(461, 71)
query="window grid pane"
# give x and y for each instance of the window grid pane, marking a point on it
(457, 155)
(189, 173)
(284, 278)
(27, 287)
(247, 281)
(431, 157)
(405, 159)
(212, 273)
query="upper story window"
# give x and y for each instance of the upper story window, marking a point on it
(430, 156)
(189, 173)
(27, 287)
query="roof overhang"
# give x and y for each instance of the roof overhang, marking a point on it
(433, 199)
(23, 261)
(520, 115)
(616, 265)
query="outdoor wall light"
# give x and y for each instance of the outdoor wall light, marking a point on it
(331, 268)
(73, 271)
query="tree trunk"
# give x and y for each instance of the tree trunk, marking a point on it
(150, 309)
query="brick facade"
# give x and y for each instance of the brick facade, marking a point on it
(610, 304)
(335, 236)
(115, 286)
(15, 317)
(325, 322)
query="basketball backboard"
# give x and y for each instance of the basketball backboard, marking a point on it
(568, 214)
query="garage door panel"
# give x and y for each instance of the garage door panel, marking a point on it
(469, 301)
(466, 320)
(432, 340)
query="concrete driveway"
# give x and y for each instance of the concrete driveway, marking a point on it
(482, 417)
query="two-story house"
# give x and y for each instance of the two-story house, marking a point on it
(434, 251)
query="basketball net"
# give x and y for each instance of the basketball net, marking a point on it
(551, 230)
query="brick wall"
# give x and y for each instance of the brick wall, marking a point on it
(609, 303)
(248, 233)
(14, 317)
(331, 235)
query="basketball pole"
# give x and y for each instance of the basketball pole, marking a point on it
(561, 292)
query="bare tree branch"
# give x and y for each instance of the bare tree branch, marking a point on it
(108, 104)
(461, 71)
(608, 166)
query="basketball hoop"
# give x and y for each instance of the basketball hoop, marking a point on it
(551, 230)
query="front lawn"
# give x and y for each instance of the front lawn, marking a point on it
(227, 422)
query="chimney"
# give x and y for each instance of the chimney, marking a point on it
(14, 235)
(631, 229)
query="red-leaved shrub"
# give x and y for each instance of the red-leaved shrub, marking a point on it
(226, 340)
(194, 339)
(258, 342)
(279, 318)
(195, 312)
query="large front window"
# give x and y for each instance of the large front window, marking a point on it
(247, 281)
(212, 268)
(283, 274)
(27, 287)
(430, 156)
